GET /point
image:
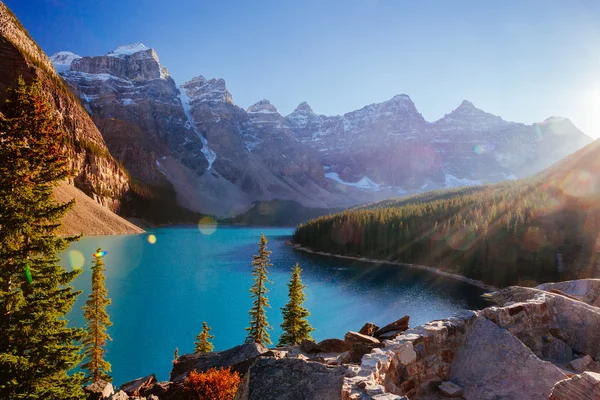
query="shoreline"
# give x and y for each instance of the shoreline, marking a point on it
(461, 278)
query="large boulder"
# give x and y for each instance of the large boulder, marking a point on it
(309, 346)
(333, 346)
(239, 358)
(579, 387)
(355, 337)
(291, 379)
(566, 319)
(494, 364)
(99, 390)
(399, 326)
(586, 290)
(137, 386)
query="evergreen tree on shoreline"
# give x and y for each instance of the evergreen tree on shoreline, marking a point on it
(97, 322)
(258, 329)
(37, 348)
(203, 344)
(295, 324)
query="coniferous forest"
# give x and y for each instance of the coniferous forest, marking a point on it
(535, 230)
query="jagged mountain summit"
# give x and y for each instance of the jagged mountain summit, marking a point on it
(220, 158)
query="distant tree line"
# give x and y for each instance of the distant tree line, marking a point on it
(503, 234)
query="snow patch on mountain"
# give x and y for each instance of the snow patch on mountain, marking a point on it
(127, 50)
(209, 154)
(364, 183)
(63, 59)
(452, 181)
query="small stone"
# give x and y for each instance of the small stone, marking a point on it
(134, 388)
(120, 395)
(450, 389)
(406, 353)
(389, 396)
(368, 329)
(99, 390)
(318, 359)
(373, 390)
(581, 364)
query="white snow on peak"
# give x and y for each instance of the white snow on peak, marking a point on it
(364, 183)
(209, 154)
(128, 49)
(63, 59)
(453, 182)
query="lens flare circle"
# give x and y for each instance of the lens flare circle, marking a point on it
(207, 225)
(76, 259)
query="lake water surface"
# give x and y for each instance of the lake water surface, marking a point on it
(161, 292)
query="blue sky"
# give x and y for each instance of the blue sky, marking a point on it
(524, 60)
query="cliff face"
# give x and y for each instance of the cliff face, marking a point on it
(96, 172)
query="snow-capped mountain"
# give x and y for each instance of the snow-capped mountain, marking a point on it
(220, 158)
(391, 144)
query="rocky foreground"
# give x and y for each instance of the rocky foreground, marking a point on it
(541, 343)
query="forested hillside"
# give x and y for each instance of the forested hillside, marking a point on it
(533, 230)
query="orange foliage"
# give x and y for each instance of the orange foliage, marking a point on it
(221, 384)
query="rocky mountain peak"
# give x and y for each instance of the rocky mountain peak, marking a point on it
(467, 113)
(402, 98)
(262, 107)
(63, 59)
(559, 126)
(207, 90)
(468, 108)
(304, 108)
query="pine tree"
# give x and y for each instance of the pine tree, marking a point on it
(97, 323)
(37, 348)
(202, 340)
(295, 324)
(257, 331)
(176, 355)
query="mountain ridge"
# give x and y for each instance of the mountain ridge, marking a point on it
(257, 154)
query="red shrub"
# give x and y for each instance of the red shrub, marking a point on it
(221, 384)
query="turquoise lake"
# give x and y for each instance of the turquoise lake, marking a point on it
(162, 292)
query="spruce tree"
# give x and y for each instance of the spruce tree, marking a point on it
(203, 345)
(176, 355)
(257, 331)
(37, 348)
(295, 324)
(97, 323)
